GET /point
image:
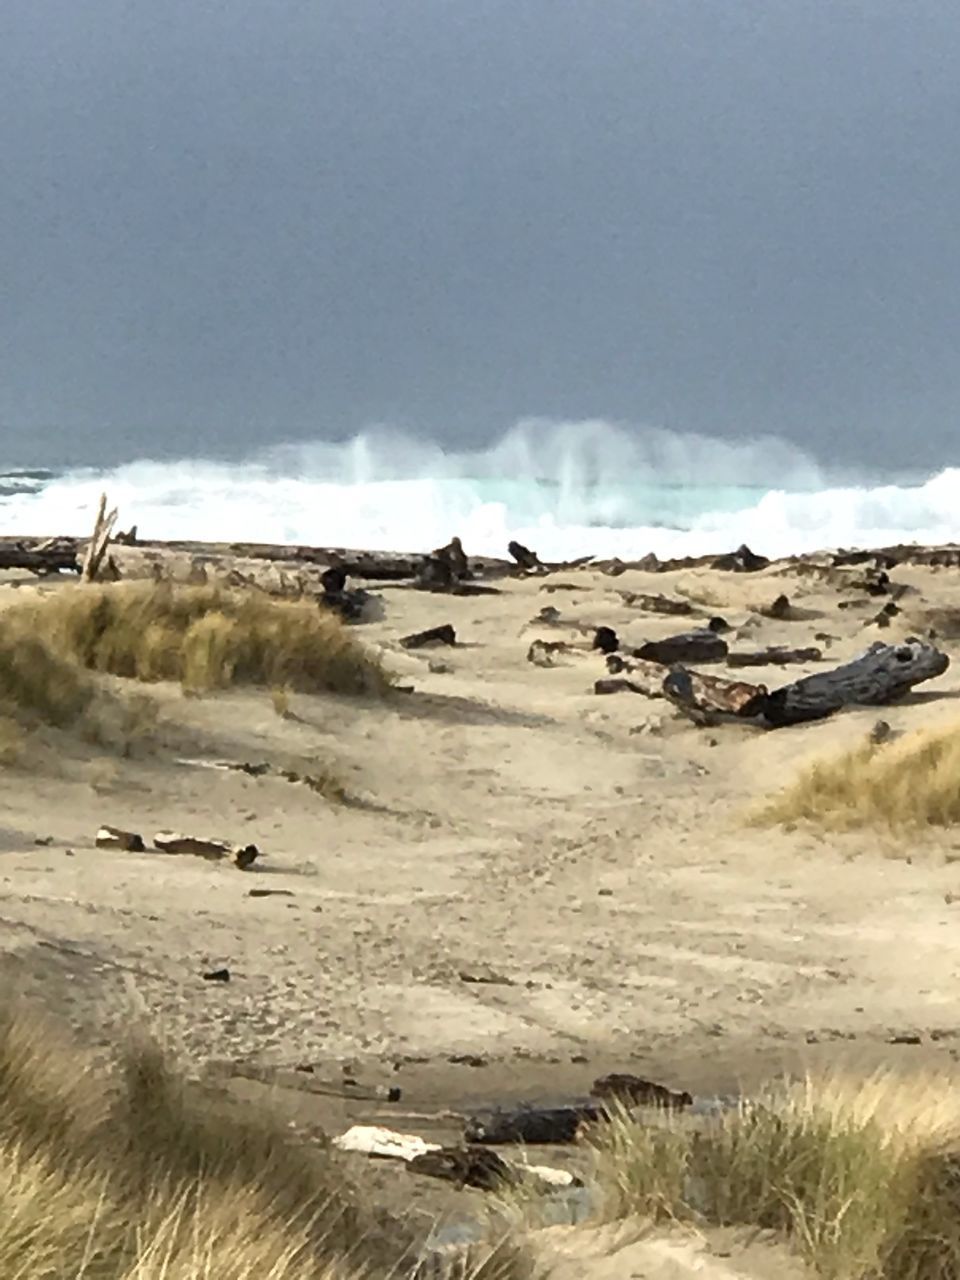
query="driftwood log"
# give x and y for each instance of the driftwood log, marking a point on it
(657, 604)
(633, 1090)
(776, 656)
(55, 556)
(705, 697)
(444, 634)
(640, 676)
(535, 1126)
(691, 646)
(884, 674)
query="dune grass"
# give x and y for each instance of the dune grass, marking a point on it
(913, 781)
(206, 638)
(861, 1176)
(144, 1175)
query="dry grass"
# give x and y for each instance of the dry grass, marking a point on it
(862, 1176)
(142, 1175)
(204, 637)
(913, 781)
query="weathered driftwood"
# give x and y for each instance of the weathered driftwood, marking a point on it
(775, 656)
(55, 556)
(117, 838)
(99, 541)
(543, 653)
(692, 646)
(172, 842)
(640, 676)
(706, 696)
(444, 634)
(780, 610)
(535, 1126)
(657, 604)
(472, 1166)
(467, 1167)
(525, 558)
(617, 684)
(635, 1091)
(606, 640)
(882, 675)
(743, 560)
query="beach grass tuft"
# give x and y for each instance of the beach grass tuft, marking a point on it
(913, 781)
(206, 638)
(862, 1176)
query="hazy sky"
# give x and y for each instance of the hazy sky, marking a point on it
(254, 220)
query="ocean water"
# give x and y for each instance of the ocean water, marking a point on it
(565, 489)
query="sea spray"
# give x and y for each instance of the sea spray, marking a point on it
(567, 489)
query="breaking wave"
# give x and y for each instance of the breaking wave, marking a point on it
(566, 489)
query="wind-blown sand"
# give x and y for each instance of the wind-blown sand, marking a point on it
(541, 882)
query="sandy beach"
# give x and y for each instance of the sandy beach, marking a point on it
(528, 885)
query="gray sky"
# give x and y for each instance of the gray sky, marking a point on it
(230, 222)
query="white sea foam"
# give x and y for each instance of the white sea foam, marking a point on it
(567, 489)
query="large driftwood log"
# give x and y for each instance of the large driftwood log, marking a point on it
(705, 697)
(884, 674)
(691, 646)
(534, 1126)
(51, 558)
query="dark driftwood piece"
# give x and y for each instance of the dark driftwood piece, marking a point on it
(626, 1088)
(692, 646)
(776, 656)
(117, 838)
(536, 1126)
(657, 604)
(884, 674)
(444, 634)
(699, 695)
(743, 560)
(466, 1167)
(606, 640)
(525, 558)
(53, 558)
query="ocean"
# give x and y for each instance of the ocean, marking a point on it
(564, 489)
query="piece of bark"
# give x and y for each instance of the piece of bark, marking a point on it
(172, 842)
(657, 604)
(444, 634)
(535, 1126)
(698, 694)
(116, 838)
(691, 646)
(882, 675)
(626, 1088)
(775, 656)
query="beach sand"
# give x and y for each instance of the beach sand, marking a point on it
(530, 886)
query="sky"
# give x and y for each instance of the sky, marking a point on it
(230, 223)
